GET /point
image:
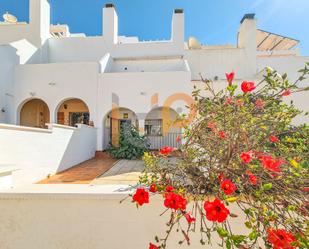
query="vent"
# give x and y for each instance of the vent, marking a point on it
(178, 11)
(109, 5)
(247, 16)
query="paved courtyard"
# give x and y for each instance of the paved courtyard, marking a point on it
(123, 172)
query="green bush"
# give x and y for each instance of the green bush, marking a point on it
(131, 144)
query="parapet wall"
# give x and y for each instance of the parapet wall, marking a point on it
(35, 153)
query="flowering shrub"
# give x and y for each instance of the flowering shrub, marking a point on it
(242, 161)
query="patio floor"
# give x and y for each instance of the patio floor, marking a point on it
(83, 173)
(124, 172)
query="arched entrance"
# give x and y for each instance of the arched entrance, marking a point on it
(113, 122)
(34, 113)
(162, 128)
(73, 111)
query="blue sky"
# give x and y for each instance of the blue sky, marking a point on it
(211, 21)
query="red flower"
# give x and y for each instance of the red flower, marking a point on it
(222, 134)
(259, 104)
(239, 102)
(286, 93)
(216, 211)
(152, 246)
(247, 86)
(189, 218)
(175, 201)
(228, 187)
(153, 188)
(273, 139)
(305, 189)
(229, 101)
(141, 196)
(280, 239)
(230, 77)
(252, 177)
(166, 150)
(211, 125)
(271, 163)
(169, 188)
(221, 177)
(178, 139)
(246, 157)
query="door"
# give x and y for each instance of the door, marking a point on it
(115, 132)
(60, 118)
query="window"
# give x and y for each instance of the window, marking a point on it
(153, 127)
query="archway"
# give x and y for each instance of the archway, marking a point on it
(162, 128)
(34, 113)
(113, 122)
(73, 111)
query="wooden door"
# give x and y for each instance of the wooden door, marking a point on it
(115, 132)
(60, 118)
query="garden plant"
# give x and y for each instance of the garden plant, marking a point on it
(241, 161)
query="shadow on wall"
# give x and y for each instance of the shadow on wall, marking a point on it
(36, 153)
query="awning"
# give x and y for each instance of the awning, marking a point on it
(267, 41)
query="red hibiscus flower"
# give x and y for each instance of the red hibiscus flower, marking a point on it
(247, 86)
(259, 104)
(230, 77)
(280, 239)
(152, 246)
(178, 139)
(221, 134)
(166, 150)
(211, 125)
(228, 187)
(286, 93)
(229, 101)
(246, 157)
(252, 177)
(153, 188)
(189, 218)
(141, 196)
(175, 201)
(273, 139)
(216, 211)
(169, 188)
(221, 177)
(239, 102)
(271, 163)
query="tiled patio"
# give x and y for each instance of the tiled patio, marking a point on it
(83, 173)
(124, 172)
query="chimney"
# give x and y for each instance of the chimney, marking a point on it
(178, 31)
(247, 36)
(39, 20)
(110, 24)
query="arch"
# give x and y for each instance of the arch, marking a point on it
(112, 124)
(72, 111)
(162, 128)
(34, 112)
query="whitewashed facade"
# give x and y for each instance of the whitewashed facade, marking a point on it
(110, 72)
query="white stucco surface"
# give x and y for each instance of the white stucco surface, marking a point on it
(36, 153)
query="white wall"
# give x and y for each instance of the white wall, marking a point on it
(35, 153)
(135, 91)
(290, 65)
(71, 80)
(90, 220)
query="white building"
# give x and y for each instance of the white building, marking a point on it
(48, 75)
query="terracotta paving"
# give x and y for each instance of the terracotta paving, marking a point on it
(83, 173)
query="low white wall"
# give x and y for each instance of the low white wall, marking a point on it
(35, 153)
(87, 221)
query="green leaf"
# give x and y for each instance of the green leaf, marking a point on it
(267, 186)
(222, 232)
(253, 235)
